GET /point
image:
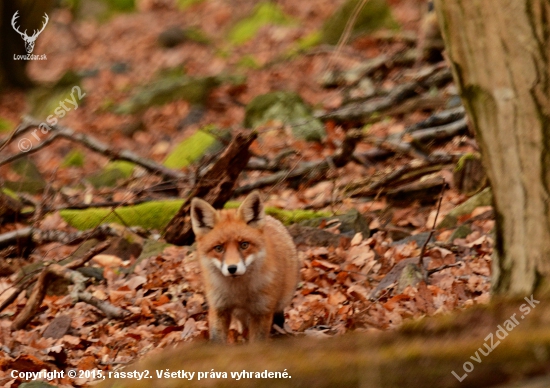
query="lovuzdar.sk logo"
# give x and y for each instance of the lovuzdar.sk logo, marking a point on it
(29, 40)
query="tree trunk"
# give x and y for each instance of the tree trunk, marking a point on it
(499, 52)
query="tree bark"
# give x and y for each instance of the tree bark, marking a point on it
(215, 186)
(499, 53)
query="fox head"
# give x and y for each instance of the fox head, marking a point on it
(231, 239)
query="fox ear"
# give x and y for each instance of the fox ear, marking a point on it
(203, 216)
(251, 210)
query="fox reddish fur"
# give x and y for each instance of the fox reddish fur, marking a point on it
(249, 265)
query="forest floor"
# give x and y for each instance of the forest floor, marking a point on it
(344, 286)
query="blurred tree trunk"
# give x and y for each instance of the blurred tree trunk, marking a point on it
(469, 349)
(13, 72)
(499, 51)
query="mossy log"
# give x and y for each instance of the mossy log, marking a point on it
(424, 353)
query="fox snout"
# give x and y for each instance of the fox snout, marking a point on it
(235, 267)
(231, 269)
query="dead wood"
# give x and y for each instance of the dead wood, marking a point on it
(404, 174)
(440, 118)
(78, 294)
(30, 235)
(16, 237)
(425, 191)
(25, 282)
(59, 131)
(363, 110)
(10, 208)
(432, 231)
(310, 171)
(215, 186)
(441, 132)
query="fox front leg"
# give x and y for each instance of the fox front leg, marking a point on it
(260, 327)
(219, 321)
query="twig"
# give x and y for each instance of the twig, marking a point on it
(21, 128)
(34, 302)
(73, 265)
(273, 165)
(89, 255)
(347, 31)
(442, 267)
(425, 274)
(434, 163)
(41, 236)
(441, 132)
(310, 170)
(438, 119)
(59, 131)
(360, 111)
(78, 294)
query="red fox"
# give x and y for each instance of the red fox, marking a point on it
(249, 265)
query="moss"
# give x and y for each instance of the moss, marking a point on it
(192, 148)
(373, 15)
(10, 193)
(75, 158)
(121, 5)
(52, 101)
(484, 198)
(151, 215)
(249, 62)
(184, 4)
(123, 166)
(287, 217)
(6, 125)
(264, 14)
(167, 89)
(468, 156)
(287, 108)
(304, 43)
(111, 174)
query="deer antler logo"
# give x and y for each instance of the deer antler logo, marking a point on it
(29, 40)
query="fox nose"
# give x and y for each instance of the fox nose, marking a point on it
(232, 269)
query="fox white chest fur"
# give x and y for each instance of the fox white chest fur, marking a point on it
(249, 264)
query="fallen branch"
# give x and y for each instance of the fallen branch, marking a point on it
(214, 186)
(59, 131)
(441, 132)
(426, 274)
(29, 234)
(438, 119)
(23, 127)
(409, 171)
(442, 267)
(310, 171)
(24, 283)
(78, 294)
(269, 165)
(360, 111)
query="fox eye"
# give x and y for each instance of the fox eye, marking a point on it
(244, 245)
(218, 248)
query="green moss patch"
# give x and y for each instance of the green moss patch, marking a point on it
(264, 14)
(374, 14)
(152, 215)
